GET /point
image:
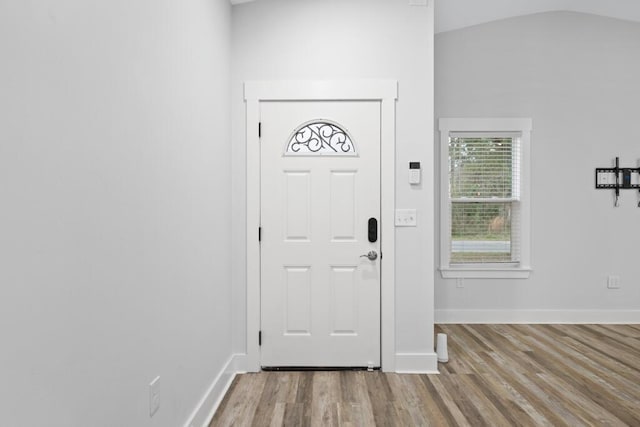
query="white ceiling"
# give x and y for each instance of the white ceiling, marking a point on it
(454, 14)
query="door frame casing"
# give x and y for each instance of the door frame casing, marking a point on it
(384, 91)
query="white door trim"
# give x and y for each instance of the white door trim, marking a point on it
(385, 91)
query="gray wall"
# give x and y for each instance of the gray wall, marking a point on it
(114, 209)
(354, 39)
(576, 76)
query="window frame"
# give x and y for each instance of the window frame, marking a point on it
(518, 270)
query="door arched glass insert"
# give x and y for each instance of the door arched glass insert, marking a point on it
(320, 138)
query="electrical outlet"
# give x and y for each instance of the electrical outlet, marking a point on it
(154, 396)
(459, 282)
(613, 282)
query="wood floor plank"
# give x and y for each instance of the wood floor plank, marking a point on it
(636, 327)
(364, 397)
(457, 417)
(497, 375)
(489, 408)
(249, 409)
(581, 384)
(381, 398)
(624, 331)
(277, 418)
(513, 354)
(611, 338)
(408, 398)
(510, 402)
(612, 365)
(267, 402)
(592, 369)
(538, 397)
(580, 404)
(230, 395)
(625, 386)
(303, 395)
(304, 389)
(325, 395)
(607, 384)
(463, 400)
(350, 415)
(457, 344)
(512, 336)
(287, 388)
(348, 388)
(404, 416)
(295, 415)
(238, 407)
(435, 411)
(620, 355)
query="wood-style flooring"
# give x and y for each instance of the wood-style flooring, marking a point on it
(497, 375)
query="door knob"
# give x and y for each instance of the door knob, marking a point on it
(372, 255)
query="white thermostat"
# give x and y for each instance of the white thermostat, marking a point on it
(414, 173)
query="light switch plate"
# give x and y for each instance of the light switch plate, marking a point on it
(406, 218)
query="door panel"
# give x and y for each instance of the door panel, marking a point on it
(344, 303)
(297, 205)
(343, 205)
(298, 300)
(320, 301)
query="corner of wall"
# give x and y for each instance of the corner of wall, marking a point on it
(206, 408)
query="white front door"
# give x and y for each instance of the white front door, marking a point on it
(320, 212)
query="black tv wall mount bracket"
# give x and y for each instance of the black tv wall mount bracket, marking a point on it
(617, 179)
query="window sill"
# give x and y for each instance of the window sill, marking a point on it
(484, 273)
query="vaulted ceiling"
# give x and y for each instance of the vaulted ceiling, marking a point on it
(455, 14)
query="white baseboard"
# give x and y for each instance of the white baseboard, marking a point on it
(206, 408)
(538, 316)
(240, 363)
(416, 363)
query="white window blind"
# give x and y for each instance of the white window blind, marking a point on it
(484, 194)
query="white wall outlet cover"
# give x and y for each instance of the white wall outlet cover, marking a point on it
(613, 282)
(154, 396)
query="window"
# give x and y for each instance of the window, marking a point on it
(484, 213)
(320, 138)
